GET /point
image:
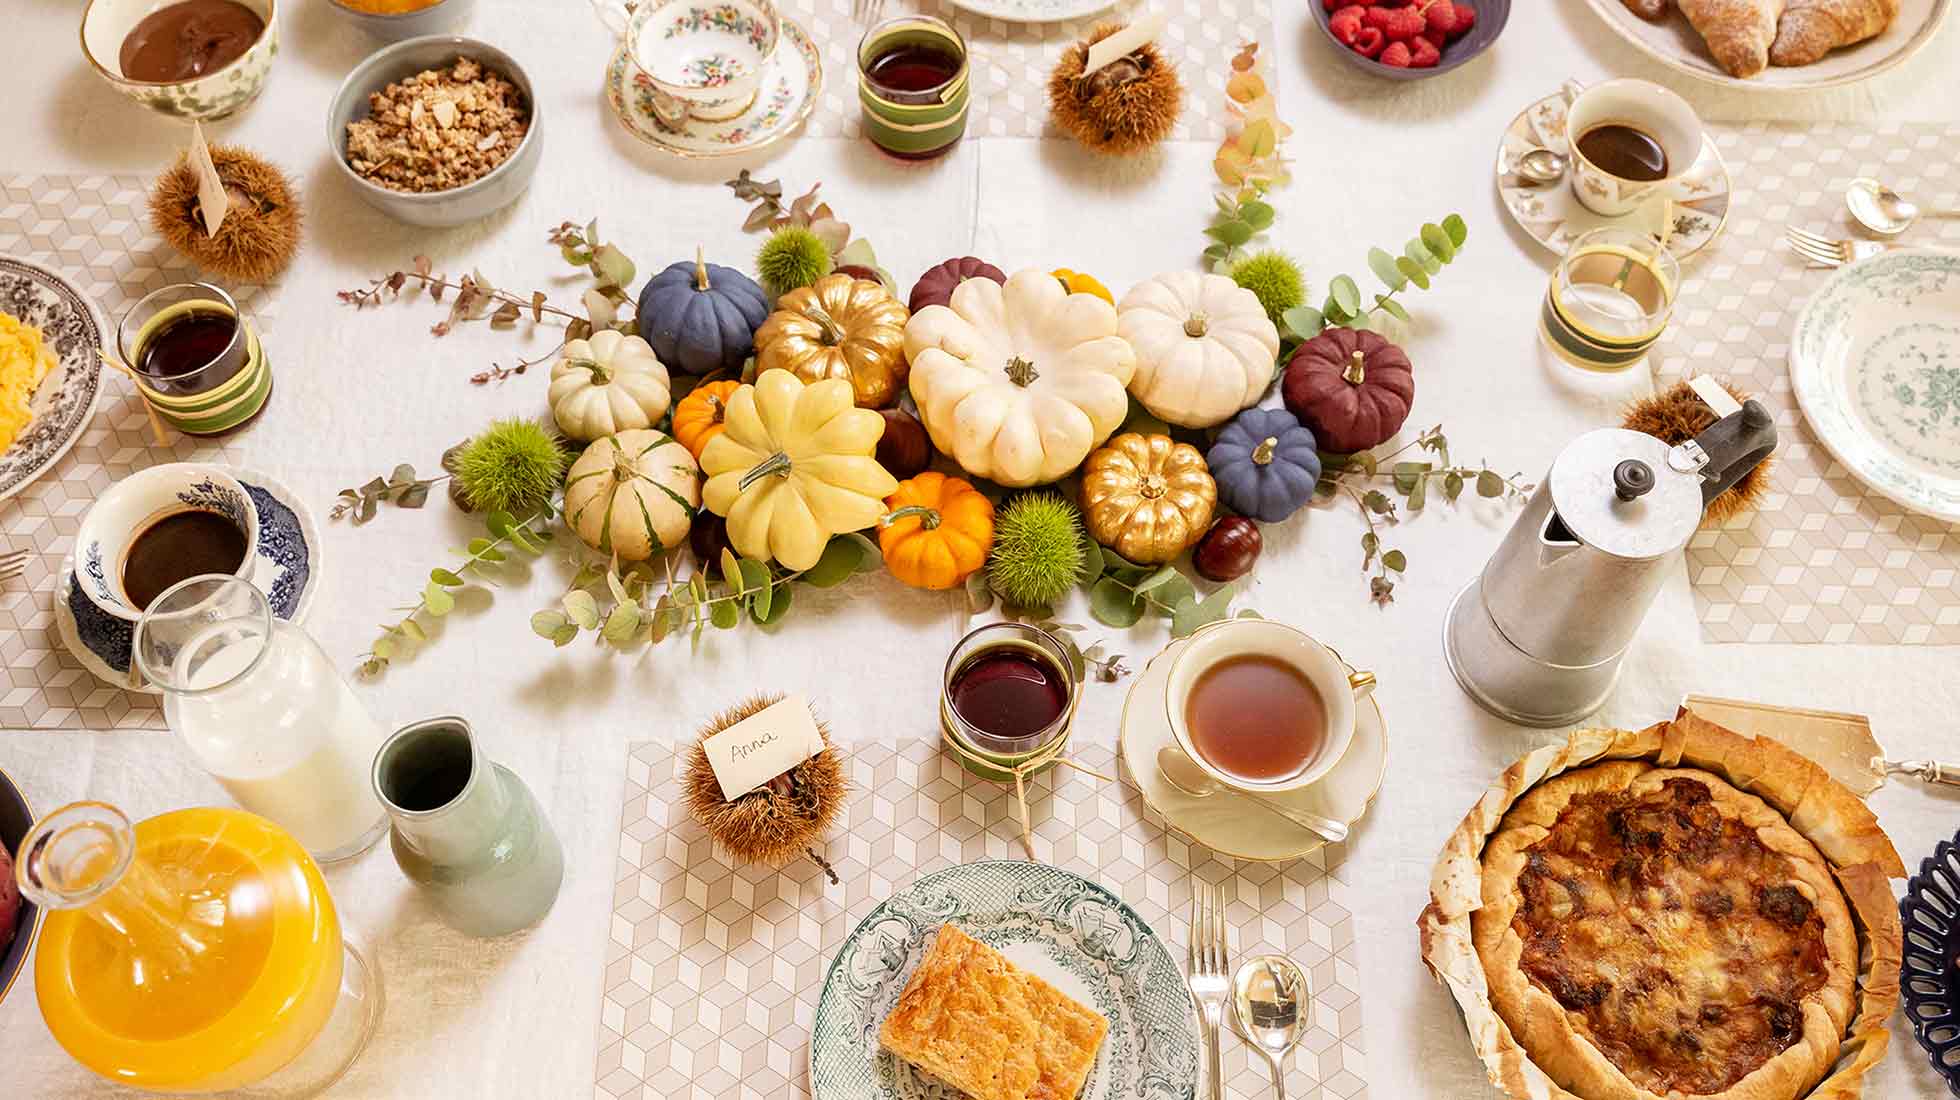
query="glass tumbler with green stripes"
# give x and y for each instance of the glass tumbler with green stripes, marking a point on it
(196, 358)
(1610, 299)
(912, 82)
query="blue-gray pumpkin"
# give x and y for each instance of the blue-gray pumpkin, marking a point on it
(1265, 464)
(701, 317)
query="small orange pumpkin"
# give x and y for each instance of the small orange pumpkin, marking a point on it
(702, 414)
(1075, 282)
(937, 532)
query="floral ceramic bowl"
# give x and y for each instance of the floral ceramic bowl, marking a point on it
(105, 23)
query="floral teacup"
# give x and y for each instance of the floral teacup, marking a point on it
(703, 58)
(133, 505)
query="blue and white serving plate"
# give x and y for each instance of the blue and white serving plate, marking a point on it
(1074, 934)
(288, 572)
(74, 330)
(1930, 912)
(1875, 364)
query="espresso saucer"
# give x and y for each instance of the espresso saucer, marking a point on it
(287, 571)
(791, 79)
(1552, 215)
(1224, 822)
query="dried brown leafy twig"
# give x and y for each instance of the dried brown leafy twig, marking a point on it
(400, 488)
(476, 299)
(807, 210)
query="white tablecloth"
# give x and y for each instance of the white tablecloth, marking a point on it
(359, 393)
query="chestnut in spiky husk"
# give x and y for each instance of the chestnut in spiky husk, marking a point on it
(261, 231)
(778, 821)
(1121, 109)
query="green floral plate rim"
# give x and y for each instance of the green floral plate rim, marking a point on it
(1875, 364)
(1073, 933)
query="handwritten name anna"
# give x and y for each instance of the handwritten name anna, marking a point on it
(746, 748)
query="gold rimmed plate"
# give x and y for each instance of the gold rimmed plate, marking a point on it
(1225, 822)
(791, 82)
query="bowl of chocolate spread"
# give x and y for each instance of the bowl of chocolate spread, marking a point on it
(192, 59)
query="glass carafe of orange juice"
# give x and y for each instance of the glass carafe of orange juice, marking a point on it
(194, 952)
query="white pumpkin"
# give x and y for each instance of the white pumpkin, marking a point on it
(1205, 348)
(633, 494)
(793, 466)
(1019, 382)
(607, 383)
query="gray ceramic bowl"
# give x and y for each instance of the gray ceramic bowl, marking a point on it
(442, 17)
(438, 208)
(15, 820)
(1491, 17)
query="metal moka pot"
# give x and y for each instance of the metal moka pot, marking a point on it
(1537, 638)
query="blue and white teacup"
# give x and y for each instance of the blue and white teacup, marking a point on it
(703, 58)
(135, 504)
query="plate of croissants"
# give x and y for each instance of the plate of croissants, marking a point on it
(1776, 44)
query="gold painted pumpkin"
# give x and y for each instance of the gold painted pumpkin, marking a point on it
(839, 327)
(1147, 497)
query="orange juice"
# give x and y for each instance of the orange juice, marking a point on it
(210, 962)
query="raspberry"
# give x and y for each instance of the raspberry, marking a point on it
(1466, 17)
(1368, 41)
(1344, 23)
(1402, 24)
(1432, 38)
(1423, 53)
(1440, 15)
(1396, 56)
(1336, 5)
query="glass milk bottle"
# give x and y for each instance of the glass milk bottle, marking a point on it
(265, 712)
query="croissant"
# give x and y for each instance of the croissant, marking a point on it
(1738, 32)
(1810, 29)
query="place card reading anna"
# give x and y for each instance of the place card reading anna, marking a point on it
(763, 746)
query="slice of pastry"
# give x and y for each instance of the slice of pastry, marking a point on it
(1738, 32)
(1810, 29)
(1069, 1034)
(964, 1019)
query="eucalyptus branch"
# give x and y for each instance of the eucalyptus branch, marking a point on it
(400, 487)
(481, 558)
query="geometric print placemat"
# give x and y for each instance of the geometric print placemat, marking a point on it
(1010, 62)
(1822, 558)
(95, 231)
(713, 970)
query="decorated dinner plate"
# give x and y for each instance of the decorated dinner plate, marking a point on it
(288, 572)
(1228, 823)
(1875, 363)
(1672, 42)
(1930, 914)
(791, 81)
(1033, 11)
(1074, 934)
(1552, 215)
(66, 398)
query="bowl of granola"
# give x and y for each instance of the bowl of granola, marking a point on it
(437, 131)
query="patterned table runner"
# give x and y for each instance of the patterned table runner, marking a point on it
(713, 971)
(95, 231)
(1822, 558)
(1011, 61)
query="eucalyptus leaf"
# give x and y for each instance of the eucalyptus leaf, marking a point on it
(581, 608)
(1377, 502)
(613, 266)
(1457, 231)
(1419, 494)
(1408, 475)
(760, 586)
(617, 586)
(415, 496)
(1164, 575)
(1092, 560)
(666, 616)
(1113, 605)
(1384, 267)
(1452, 486)
(383, 648)
(1438, 243)
(622, 624)
(1420, 253)
(1392, 307)
(1345, 294)
(564, 635)
(1414, 270)
(446, 578)
(1489, 484)
(547, 623)
(1304, 321)
(1258, 215)
(1233, 232)
(1395, 560)
(839, 561)
(414, 630)
(1209, 610)
(779, 602)
(724, 614)
(437, 600)
(499, 524)
(1176, 592)
(731, 569)
(871, 558)
(698, 585)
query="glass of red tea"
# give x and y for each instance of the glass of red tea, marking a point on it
(1262, 707)
(196, 358)
(912, 83)
(1008, 698)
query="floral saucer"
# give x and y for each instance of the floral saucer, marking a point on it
(1065, 929)
(1875, 363)
(288, 572)
(791, 79)
(1225, 822)
(1552, 215)
(65, 400)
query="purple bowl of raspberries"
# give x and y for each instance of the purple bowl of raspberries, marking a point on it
(1411, 39)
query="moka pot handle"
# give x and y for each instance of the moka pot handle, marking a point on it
(1735, 445)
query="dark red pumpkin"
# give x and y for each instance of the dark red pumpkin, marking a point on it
(935, 287)
(1352, 388)
(904, 451)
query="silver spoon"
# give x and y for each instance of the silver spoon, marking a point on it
(1883, 210)
(1269, 996)
(1541, 166)
(1184, 774)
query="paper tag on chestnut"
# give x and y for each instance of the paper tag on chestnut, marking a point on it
(212, 200)
(763, 746)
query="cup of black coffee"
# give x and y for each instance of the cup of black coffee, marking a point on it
(1630, 139)
(160, 526)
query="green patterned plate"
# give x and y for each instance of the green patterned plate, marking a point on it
(1076, 935)
(1875, 362)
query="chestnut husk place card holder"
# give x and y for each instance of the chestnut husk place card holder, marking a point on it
(765, 780)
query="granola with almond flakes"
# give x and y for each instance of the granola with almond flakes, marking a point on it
(439, 129)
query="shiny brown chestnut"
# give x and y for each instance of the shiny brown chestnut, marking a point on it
(904, 451)
(1227, 551)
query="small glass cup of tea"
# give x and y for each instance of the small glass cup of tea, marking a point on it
(196, 358)
(1610, 299)
(1007, 700)
(912, 83)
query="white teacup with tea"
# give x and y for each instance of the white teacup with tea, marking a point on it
(1629, 139)
(1262, 707)
(699, 59)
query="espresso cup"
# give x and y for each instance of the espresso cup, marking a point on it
(133, 505)
(1340, 688)
(1640, 105)
(703, 59)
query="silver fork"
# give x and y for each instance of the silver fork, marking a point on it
(867, 11)
(13, 563)
(1211, 968)
(1825, 252)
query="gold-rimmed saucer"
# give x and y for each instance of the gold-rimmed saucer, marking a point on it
(1224, 822)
